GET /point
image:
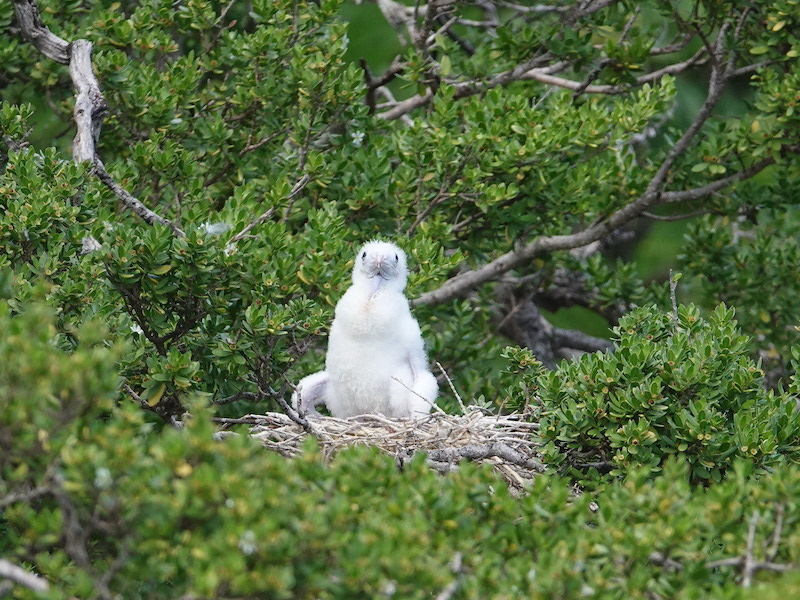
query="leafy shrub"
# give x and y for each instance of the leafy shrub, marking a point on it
(216, 112)
(674, 384)
(99, 502)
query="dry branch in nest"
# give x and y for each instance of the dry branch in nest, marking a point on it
(504, 441)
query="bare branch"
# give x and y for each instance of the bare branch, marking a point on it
(25, 496)
(374, 83)
(525, 70)
(452, 388)
(676, 46)
(577, 340)
(592, 7)
(543, 77)
(678, 217)
(240, 395)
(406, 106)
(654, 194)
(661, 559)
(484, 451)
(136, 397)
(749, 559)
(131, 202)
(697, 59)
(294, 415)
(776, 536)
(37, 33)
(718, 184)
(22, 577)
(536, 8)
(749, 69)
(90, 105)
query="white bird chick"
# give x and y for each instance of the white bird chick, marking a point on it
(376, 359)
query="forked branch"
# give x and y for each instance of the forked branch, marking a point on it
(90, 105)
(655, 194)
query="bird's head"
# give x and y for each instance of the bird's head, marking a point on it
(381, 265)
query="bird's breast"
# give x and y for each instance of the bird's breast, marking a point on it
(380, 315)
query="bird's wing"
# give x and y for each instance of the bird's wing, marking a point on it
(310, 393)
(423, 390)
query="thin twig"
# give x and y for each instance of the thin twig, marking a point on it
(749, 559)
(296, 189)
(132, 203)
(673, 296)
(673, 218)
(452, 388)
(432, 405)
(294, 415)
(240, 395)
(776, 536)
(136, 397)
(25, 496)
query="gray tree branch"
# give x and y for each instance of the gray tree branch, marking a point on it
(130, 201)
(20, 576)
(536, 69)
(25, 496)
(37, 33)
(654, 194)
(90, 105)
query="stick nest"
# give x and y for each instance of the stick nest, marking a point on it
(506, 442)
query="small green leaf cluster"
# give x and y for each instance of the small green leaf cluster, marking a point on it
(754, 271)
(39, 198)
(48, 389)
(674, 384)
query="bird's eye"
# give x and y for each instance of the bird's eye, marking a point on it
(364, 255)
(396, 258)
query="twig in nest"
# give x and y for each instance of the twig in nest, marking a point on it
(294, 415)
(452, 388)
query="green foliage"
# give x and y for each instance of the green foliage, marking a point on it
(215, 116)
(674, 384)
(48, 389)
(224, 116)
(124, 510)
(754, 271)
